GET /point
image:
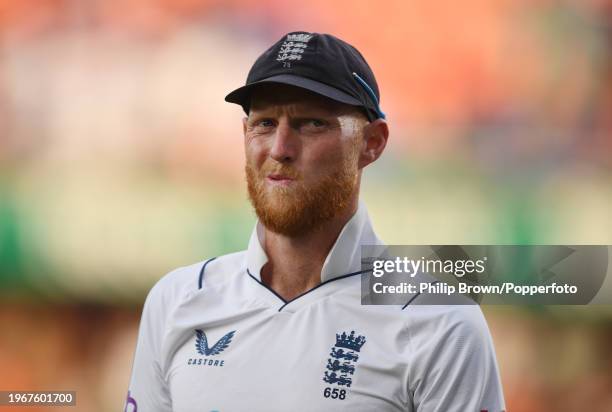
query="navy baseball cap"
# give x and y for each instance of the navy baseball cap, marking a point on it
(318, 62)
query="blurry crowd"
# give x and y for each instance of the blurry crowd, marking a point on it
(119, 161)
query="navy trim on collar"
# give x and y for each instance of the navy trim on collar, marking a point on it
(201, 277)
(417, 295)
(265, 286)
(286, 302)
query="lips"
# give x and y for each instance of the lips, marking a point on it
(279, 177)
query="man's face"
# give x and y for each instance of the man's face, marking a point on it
(302, 153)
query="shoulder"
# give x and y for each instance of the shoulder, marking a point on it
(182, 282)
(463, 322)
(219, 270)
(452, 359)
(449, 337)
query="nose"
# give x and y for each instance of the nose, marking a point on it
(285, 145)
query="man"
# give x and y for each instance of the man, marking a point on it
(280, 327)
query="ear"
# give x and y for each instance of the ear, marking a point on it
(375, 135)
(244, 125)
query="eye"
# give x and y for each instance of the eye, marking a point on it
(265, 123)
(262, 125)
(316, 122)
(314, 125)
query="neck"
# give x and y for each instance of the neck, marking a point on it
(295, 263)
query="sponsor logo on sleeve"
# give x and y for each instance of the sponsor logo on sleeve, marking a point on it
(130, 401)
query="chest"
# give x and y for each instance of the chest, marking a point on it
(320, 358)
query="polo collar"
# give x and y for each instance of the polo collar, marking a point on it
(344, 256)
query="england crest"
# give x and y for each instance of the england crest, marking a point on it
(343, 358)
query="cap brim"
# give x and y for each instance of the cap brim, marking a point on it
(242, 95)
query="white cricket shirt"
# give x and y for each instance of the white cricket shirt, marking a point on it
(214, 338)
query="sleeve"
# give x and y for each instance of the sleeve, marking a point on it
(148, 390)
(454, 364)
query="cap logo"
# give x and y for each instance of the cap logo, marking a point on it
(292, 48)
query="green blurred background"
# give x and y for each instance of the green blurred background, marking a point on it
(119, 161)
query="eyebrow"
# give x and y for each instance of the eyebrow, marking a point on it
(325, 108)
(330, 120)
(301, 112)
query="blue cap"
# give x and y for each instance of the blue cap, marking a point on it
(321, 63)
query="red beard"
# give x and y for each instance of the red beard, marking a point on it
(300, 208)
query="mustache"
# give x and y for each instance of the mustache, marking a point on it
(281, 169)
